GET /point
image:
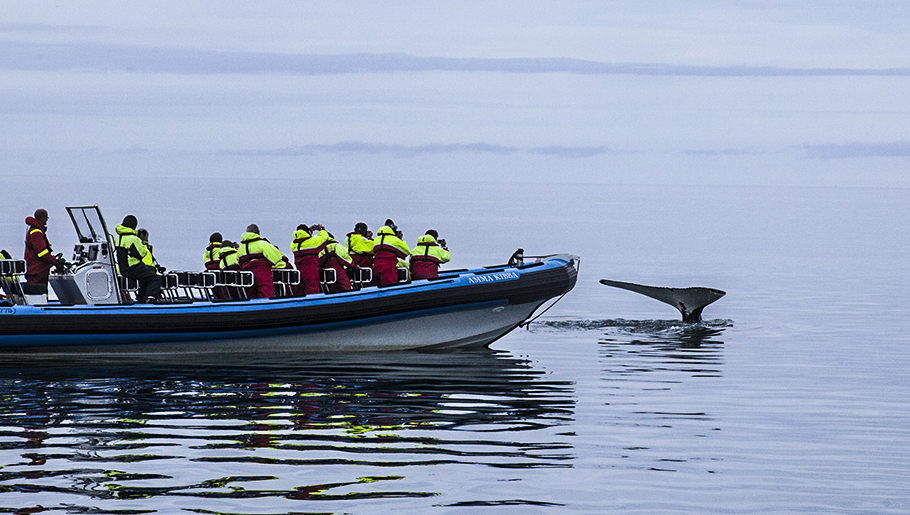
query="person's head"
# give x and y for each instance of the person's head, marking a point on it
(227, 244)
(391, 224)
(143, 234)
(130, 221)
(41, 215)
(253, 228)
(433, 233)
(303, 227)
(360, 228)
(215, 237)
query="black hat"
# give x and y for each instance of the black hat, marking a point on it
(130, 221)
(215, 237)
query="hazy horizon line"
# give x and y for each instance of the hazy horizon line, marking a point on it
(181, 60)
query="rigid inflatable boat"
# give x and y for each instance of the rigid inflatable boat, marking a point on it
(95, 314)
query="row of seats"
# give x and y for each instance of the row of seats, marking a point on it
(212, 285)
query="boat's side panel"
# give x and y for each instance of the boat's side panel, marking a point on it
(467, 326)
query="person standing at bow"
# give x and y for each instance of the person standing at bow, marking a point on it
(308, 242)
(258, 255)
(38, 256)
(131, 255)
(428, 255)
(335, 256)
(388, 250)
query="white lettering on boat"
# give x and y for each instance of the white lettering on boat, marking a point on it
(492, 278)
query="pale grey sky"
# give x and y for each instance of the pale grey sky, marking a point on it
(748, 92)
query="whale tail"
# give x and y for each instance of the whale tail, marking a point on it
(689, 301)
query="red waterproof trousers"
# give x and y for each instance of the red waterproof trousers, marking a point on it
(264, 285)
(424, 269)
(385, 269)
(308, 265)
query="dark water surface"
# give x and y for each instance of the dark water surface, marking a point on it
(792, 397)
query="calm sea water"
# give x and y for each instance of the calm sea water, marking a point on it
(792, 397)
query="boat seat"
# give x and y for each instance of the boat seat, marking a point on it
(169, 287)
(235, 282)
(10, 270)
(11, 267)
(193, 283)
(285, 279)
(129, 284)
(327, 276)
(360, 276)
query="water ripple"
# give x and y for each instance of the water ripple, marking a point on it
(84, 437)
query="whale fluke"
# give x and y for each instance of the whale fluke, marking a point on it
(689, 301)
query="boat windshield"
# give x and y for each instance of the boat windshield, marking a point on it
(89, 224)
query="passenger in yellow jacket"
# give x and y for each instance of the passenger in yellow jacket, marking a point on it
(149, 258)
(227, 256)
(131, 255)
(335, 256)
(309, 242)
(360, 245)
(428, 255)
(210, 258)
(259, 256)
(388, 249)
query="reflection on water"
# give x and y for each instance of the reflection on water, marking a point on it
(655, 382)
(647, 369)
(82, 436)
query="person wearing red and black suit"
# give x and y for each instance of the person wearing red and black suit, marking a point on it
(336, 257)
(306, 248)
(256, 254)
(38, 256)
(388, 251)
(210, 258)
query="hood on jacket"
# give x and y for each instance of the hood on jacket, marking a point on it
(426, 239)
(249, 236)
(385, 229)
(31, 221)
(122, 229)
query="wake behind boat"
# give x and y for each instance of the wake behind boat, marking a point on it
(459, 309)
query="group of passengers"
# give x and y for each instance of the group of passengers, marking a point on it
(314, 249)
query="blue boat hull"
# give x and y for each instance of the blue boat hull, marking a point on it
(467, 309)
